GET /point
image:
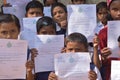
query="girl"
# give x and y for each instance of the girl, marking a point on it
(114, 14)
(9, 26)
(9, 29)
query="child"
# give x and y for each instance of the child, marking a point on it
(101, 16)
(9, 29)
(114, 10)
(77, 42)
(34, 9)
(49, 2)
(59, 14)
(9, 26)
(78, 1)
(45, 26)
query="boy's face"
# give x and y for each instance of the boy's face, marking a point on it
(9, 31)
(75, 47)
(49, 2)
(115, 10)
(59, 14)
(102, 14)
(78, 2)
(34, 12)
(47, 30)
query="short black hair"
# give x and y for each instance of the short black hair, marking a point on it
(58, 4)
(44, 1)
(77, 37)
(45, 21)
(101, 5)
(7, 18)
(73, 0)
(34, 4)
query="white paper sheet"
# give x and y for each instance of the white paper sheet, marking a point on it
(13, 56)
(18, 2)
(115, 70)
(17, 11)
(30, 23)
(47, 11)
(113, 34)
(72, 66)
(48, 45)
(29, 32)
(30, 37)
(82, 19)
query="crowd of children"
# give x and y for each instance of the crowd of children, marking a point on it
(76, 42)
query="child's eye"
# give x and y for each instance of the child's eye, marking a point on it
(70, 49)
(44, 32)
(13, 31)
(4, 32)
(32, 13)
(115, 9)
(60, 12)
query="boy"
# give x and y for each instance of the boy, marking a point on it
(34, 9)
(78, 1)
(77, 42)
(59, 14)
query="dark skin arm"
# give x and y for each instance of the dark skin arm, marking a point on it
(96, 59)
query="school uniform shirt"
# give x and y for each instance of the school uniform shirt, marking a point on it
(98, 74)
(99, 27)
(103, 37)
(42, 75)
(103, 43)
(107, 68)
(60, 31)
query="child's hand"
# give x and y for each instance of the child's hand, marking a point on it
(95, 41)
(92, 75)
(29, 66)
(105, 52)
(63, 24)
(52, 76)
(34, 53)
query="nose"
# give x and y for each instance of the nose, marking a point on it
(9, 36)
(119, 13)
